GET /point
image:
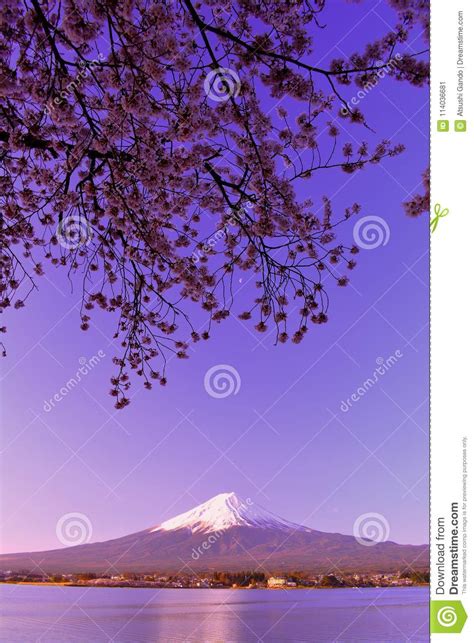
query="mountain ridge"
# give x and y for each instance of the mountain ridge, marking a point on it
(225, 533)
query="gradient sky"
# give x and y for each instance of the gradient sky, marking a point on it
(282, 440)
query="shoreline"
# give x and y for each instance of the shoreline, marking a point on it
(149, 586)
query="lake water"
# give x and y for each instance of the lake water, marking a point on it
(124, 615)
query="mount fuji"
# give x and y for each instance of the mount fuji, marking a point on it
(226, 533)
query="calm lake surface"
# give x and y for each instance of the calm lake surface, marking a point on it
(124, 615)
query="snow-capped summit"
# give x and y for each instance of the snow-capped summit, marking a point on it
(224, 511)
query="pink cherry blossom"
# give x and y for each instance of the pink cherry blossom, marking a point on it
(119, 167)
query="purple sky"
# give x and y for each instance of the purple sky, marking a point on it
(282, 440)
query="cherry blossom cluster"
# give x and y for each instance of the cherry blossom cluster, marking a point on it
(139, 153)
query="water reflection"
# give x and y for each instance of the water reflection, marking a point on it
(102, 614)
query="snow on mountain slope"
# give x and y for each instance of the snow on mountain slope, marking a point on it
(224, 511)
